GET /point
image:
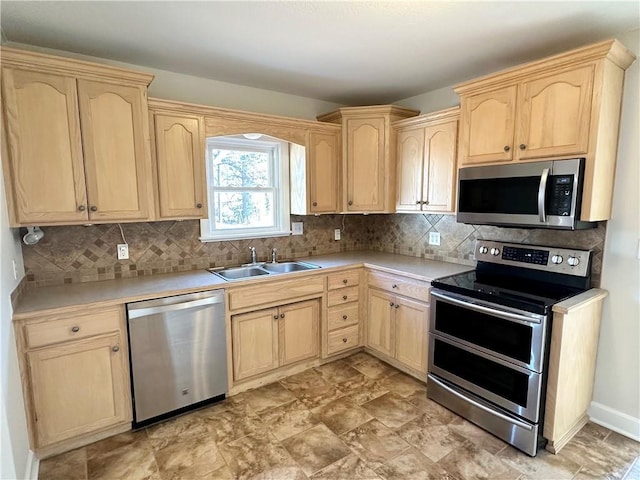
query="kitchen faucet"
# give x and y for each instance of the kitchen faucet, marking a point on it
(254, 257)
(274, 255)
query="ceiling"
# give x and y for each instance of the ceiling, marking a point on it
(351, 52)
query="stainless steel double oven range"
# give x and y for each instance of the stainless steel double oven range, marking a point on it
(490, 331)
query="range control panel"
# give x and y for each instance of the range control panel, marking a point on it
(549, 259)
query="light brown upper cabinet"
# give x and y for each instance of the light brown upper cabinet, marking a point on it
(368, 153)
(315, 173)
(76, 146)
(563, 106)
(426, 162)
(179, 161)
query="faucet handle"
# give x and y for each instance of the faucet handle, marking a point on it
(274, 255)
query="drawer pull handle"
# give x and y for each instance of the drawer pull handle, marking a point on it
(344, 317)
(344, 339)
(282, 315)
(345, 281)
(344, 297)
(75, 329)
(115, 348)
(394, 286)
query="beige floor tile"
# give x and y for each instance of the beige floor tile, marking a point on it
(229, 425)
(597, 431)
(138, 438)
(266, 397)
(543, 466)
(374, 368)
(437, 412)
(391, 409)
(375, 443)
(197, 472)
(176, 455)
(289, 419)
(185, 426)
(341, 415)
(124, 463)
(348, 468)
(316, 448)
(361, 389)
(303, 381)
(471, 462)
(69, 466)
(412, 465)
(319, 396)
(477, 435)
(434, 441)
(403, 385)
(336, 372)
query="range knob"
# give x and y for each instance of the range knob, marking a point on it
(557, 259)
(495, 251)
(573, 261)
(483, 250)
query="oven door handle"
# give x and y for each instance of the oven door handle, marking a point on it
(473, 305)
(542, 194)
(506, 418)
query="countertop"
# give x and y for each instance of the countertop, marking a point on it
(46, 300)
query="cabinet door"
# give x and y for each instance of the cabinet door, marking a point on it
(43, 133)
(180, 162)
(365, 138)
(115, 137)
(411, 333)
(379, 322)
(410, 158)
(255, 342)
(439, 167)
(554, 114)
(298, 331)
(487, 126)
(324, 159)
(79, 387)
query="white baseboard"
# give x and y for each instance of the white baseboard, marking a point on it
(615, 420)
(33, 466)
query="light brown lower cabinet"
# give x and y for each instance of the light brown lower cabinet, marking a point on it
(274, 337)
(75, 378)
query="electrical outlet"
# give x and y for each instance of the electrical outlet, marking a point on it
(336, 234)
(296, 228)
(123, 251)
(434, 238)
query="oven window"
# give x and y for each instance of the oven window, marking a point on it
(502, 336)
(513, 195)
(498, 379)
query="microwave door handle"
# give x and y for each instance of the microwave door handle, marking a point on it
(542, 194)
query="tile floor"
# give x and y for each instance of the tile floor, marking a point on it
(355, 418)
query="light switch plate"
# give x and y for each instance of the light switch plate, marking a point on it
(296, 228)
(434, 238)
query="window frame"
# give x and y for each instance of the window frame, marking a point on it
(279, 171)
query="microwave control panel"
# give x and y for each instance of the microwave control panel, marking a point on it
(560, 195)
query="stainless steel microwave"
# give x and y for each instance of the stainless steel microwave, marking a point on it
(535, 195)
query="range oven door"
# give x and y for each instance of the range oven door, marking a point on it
(539, 194)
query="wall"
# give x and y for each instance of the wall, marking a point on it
(15, 454)
(616, 399)
(187, 88)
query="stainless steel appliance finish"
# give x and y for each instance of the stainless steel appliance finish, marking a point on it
(489, 335)
(534, 194)
(178, 353)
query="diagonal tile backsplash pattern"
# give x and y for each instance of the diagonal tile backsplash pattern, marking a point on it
(80, 254)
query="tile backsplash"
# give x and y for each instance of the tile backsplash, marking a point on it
(80, 254)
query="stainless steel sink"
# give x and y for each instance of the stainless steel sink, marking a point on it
(248, 271)
(287, 267)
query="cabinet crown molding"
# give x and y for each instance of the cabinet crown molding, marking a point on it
(440, 115)
(392, 110)
(42, 62)
(610, 49)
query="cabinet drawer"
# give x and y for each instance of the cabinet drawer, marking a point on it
(343, 279)
(342, 316)
(71, 327)
(343, 295)
(275, 292)
(400, 285)
(343, 339)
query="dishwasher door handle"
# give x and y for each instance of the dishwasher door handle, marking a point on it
(143, 312)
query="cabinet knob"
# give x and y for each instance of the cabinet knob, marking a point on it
(426, 202)
(394, 286)
(115, 348)
(199, 205)
(350, 202)
(344, 339)
(391, 304)
(282, 315)
(94, 208)
(418, 202)
(397, 306)
(507, 148)
(315, 204)
(275, 317)
(82, 208)
(345, 281)
(75, 329)
(522, 146)
(344, 317)
(344, 297)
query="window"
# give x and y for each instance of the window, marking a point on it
(248, 188)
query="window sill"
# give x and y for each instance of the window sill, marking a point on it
(243, 236)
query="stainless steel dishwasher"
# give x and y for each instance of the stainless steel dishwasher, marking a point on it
(178, 354)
